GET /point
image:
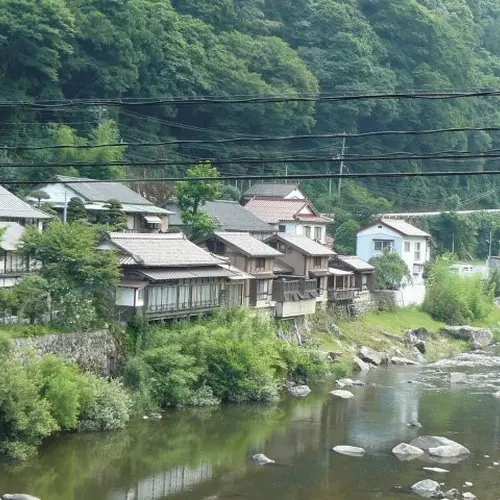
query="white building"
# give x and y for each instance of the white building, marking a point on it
(411, 243)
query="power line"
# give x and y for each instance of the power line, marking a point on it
(171, 142)
(136, 102)
(372, 175)
(459, 156)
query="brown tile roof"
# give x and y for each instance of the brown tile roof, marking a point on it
(247, 244)
(274, 210)
(161, 250)
(303, 244)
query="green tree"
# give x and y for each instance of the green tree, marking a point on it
(82, 279)
(114, 215)
(39, 195)
(193, 195)
(76, 210)
(33, 298)
(391, 271)
(345, 237)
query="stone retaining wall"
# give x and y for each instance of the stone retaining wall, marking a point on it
(96, 352)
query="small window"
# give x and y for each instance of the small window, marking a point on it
(307, 231)
(317, 262)
(317, 233)
(262, 289)
(140, 295)
(282, 228)
(380, 245)
(260, 263)
(407, 246)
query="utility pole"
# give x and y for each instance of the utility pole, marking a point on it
(65, 209)
(286, 173)
(489, 244)
(341, 171)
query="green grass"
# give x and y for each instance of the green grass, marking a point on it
(25, 330)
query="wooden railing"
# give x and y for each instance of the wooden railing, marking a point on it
(284, 291)
(346, 294)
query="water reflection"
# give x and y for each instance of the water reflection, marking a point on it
(201, 454)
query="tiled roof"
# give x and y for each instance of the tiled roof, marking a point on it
(338, 272)
(11, 238)
(13, 207)
(355, 263)
(274, 211)
(231, 216)
(161, 250)
(102, 191)
(247, 244)
(186, 273)
(404, 228)
(281, 267)
(272, 190)
(304, 244)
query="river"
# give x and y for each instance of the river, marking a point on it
(207, 453)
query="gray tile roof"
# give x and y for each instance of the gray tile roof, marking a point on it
(13, 207)
(355, 263)
(404, 228)
(12, 235)
(102, 191)
(247, 244)
(272, 190)
(231, 216)
(303, 243)
(186, 273)
(161, 250)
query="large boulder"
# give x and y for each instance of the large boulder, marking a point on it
(396, 360)
(260, 459)
(360, 365)
(18, 496)
(371, 356)
(448, 451)
(416, 334)
(427, 488)
(342, 394)
(299, 391)
(345, 382)
(426, 442)
(406, 451)
(496, 395)
(353, 451)
(477, 336)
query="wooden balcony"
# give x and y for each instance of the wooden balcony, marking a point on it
(294, 290)
(343, 294)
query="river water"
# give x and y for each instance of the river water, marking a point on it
(206, 454)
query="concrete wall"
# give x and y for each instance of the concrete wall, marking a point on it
(96, 352)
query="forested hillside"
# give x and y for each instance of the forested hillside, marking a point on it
(89, 49)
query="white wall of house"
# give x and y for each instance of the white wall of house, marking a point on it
(296, 194)
(59, 193)
(316, 231)
(415, 251)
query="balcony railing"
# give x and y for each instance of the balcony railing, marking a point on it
(284, 291)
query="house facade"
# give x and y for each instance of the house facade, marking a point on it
(142, 215)
(307, 260)
(292, 216)
(252, 256)
(411, 243)
(165, 276)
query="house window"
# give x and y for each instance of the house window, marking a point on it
(417, 269)
(380, 245)
(307, 231)
(260, 263)
(417, 251)
(317, 233)
(407, 246)
(317, 262)
(262, 289)
(282, 228)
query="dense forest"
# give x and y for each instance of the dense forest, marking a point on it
(95, 49)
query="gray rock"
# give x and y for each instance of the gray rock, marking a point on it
(436, 469)
(342, 394)
(395, 360)
(405, 451)
(353, 451)
(345, 382)
(358, 383)
(417, 334)
(448, 451)
(371, 356)
(426, 442)
(155, 416)
(479, 336)
(468, 484)
(360, 365)
(421, 346)
(452, 494)
(335, 330)
(496, 395)
(299, 391)
(476, 346)
(261, 459)
(414, 423)
(427, 488)
(458, 378)
(18, 496)
(468, 496)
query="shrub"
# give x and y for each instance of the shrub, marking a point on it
(454, 299)
(390, 271)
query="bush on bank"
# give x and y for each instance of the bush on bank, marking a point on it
(233, 357)
(52, 395)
